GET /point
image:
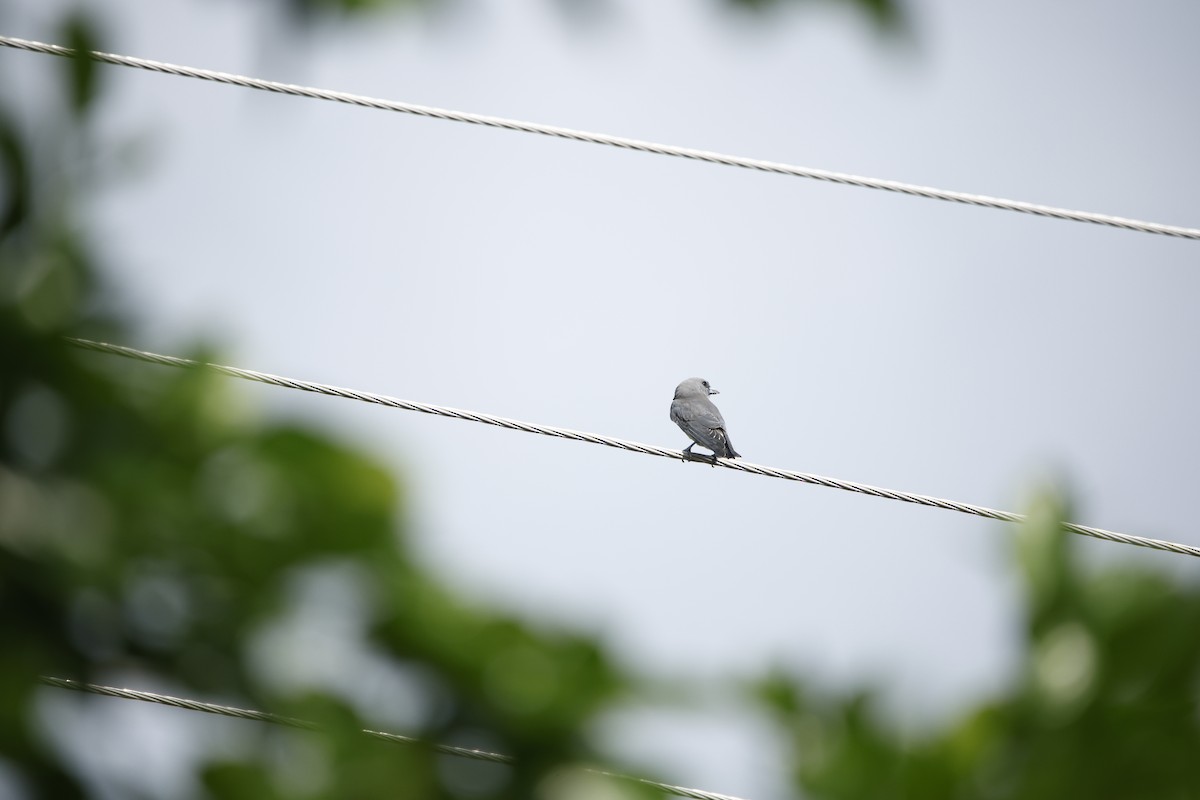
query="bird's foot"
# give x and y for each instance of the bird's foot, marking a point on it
(703, 458)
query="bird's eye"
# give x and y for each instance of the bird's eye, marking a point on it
(705, 384)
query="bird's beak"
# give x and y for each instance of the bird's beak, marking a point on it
(713, 391)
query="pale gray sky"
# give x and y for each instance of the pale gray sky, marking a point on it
(906, 343)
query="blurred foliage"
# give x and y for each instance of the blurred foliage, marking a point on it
(149, 529)
(886, 15)
(1106, 705)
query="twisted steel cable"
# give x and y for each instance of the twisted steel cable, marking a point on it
(292, 722)
(612, 141)
(622, 444)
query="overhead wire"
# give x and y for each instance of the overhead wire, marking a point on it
(612, 141)
(292, 722)
(622, 444)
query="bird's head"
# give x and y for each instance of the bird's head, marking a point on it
(695, 387)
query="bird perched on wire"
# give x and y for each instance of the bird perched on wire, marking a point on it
(696, 415)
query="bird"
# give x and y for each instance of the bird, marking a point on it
(696, 415)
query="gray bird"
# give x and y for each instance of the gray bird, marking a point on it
(696, 415)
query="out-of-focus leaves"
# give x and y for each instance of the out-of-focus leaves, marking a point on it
(78, 33)
(165, 534)
(237, 780)
(14, 171)
(1105, 703)
(1043, 558)
(887, 15)
(147, 526)
(309, 11)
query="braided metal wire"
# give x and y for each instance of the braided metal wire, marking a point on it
(622, 444)
(613, 141)
(178, 702)
(395, 738)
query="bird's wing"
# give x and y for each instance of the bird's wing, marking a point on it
(702, 422)
(698, 413)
